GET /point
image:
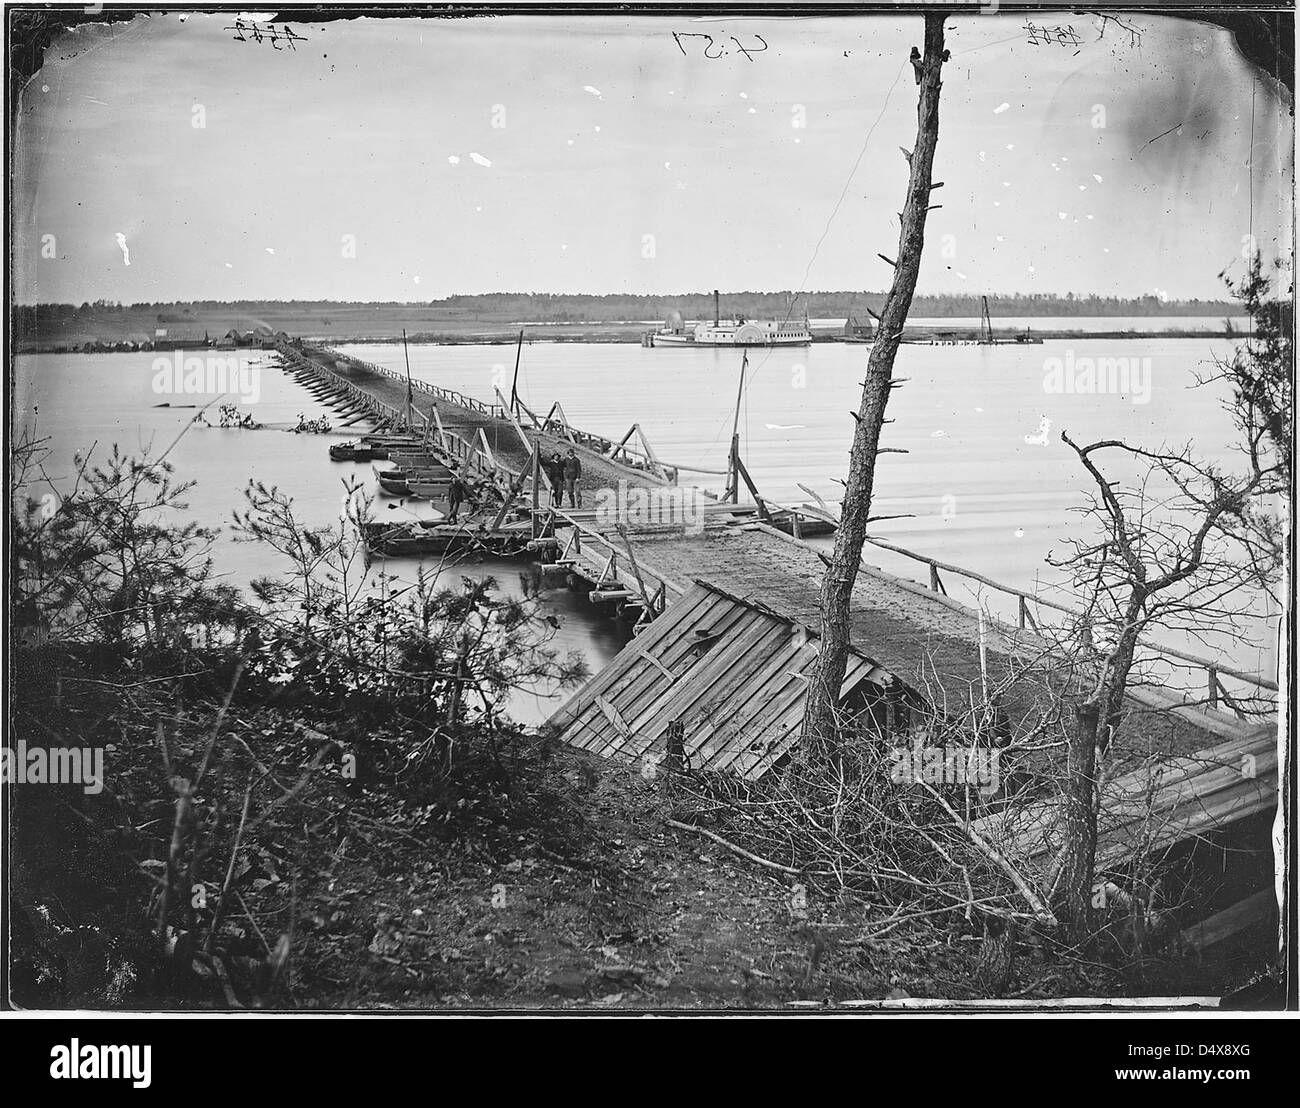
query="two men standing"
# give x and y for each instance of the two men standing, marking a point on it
(564, 474)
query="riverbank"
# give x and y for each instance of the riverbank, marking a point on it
(100, 330)
(630, 333)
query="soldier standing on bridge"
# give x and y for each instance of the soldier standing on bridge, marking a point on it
(555, 474)
(457, 494)
(572, 474)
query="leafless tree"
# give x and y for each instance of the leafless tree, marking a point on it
(837, 588)
(1164, 559)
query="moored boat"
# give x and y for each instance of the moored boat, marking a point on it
(355, 451)
(809, 526)
(416, 537)
(423, 472)
(731, 332)
(736, 332)
(429, 490)
(393, 486)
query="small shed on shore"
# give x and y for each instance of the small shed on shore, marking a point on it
(733, 672)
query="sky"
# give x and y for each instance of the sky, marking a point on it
(409, 160)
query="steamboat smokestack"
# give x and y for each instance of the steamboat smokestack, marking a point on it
(716, 317)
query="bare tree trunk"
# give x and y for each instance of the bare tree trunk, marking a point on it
(1096, 721)
(819, 729)
(1118, 667)
(1072, 900)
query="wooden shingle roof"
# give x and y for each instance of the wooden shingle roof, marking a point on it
(734, 672)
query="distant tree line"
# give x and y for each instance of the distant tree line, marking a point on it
(612, 307)
(820, 304)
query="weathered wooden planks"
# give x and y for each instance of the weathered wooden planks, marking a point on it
(1223, 925)
(1151, 809)
(733, 672)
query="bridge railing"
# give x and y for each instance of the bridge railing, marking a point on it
(383, 411)
(556, 422)
(1212, 670)
(451, 396)
(624, 451)
(611, 566)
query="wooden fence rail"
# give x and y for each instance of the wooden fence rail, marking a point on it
(362, 398)
(451, 396)
(1213, 669)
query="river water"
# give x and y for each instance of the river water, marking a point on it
(985, 484)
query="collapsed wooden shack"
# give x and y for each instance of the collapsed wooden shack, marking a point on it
(733, 672)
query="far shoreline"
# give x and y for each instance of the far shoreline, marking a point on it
(632, 334)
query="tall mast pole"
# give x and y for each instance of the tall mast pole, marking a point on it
(735, 433)
(410, 392)
(519, 349)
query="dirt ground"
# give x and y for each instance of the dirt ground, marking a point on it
(646, 916)
(599, 905)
